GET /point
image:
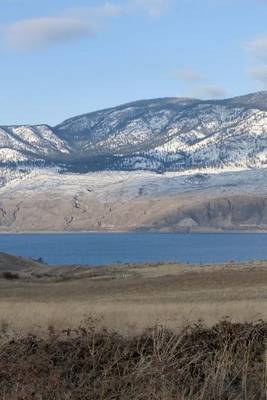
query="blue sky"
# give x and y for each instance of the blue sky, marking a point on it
(60, 58)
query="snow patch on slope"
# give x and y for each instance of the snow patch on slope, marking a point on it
(10, 155)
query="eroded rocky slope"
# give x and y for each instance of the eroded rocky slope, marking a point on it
(123, 201)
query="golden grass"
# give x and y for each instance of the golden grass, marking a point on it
(125, 318)
(131, 299)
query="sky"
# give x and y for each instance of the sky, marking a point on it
(61, 58)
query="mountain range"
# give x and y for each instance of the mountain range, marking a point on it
(178, 151)
(162, 135)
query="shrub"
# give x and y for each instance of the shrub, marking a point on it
(225, 362)
(10, 275)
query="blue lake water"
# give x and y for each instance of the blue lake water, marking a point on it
(108, 248)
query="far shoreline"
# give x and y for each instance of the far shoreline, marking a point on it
(140, 232)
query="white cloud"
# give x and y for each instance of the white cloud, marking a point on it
(209, 92)
(75, 23)
(259, 73)
(186, 75)
(258, 46)
(38, 33)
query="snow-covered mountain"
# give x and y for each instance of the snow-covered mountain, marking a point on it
(171, 134)
(30, 143)
(171, 164)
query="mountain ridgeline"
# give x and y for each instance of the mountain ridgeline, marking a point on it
(169, 134)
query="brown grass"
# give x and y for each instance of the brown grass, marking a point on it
(225, 362)
(126, 318)
(131, 299)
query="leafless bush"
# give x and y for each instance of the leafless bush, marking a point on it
(225, 362)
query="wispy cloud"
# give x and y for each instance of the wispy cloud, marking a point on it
(209, 92)
(258, 50)
(42, 32)
(259, 73)
(187, 75)
(76, 23)
(73, 24)
(258, 46)
(200, 87)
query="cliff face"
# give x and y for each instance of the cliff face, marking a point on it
(135, 201)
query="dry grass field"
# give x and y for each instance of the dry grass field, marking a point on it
(131, 298)
(140, 337)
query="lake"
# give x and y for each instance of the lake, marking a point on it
(108, 248)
